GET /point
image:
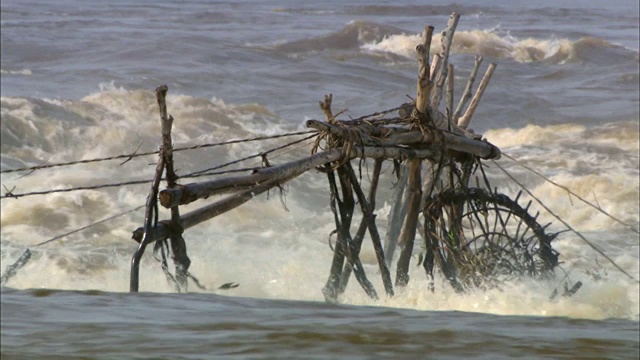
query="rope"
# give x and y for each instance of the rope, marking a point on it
(574, 194)
(91, 225)
(565, 223)
(365, 117)
(26, 256)
(205, 172)
(252, 156)
(134, 154)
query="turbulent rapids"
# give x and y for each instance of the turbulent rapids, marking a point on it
(445, 215)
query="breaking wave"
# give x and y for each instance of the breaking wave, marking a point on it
(374, 38)
(352, 36)
(490, 43)
(26, 72)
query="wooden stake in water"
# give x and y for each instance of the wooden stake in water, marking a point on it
(13, 268)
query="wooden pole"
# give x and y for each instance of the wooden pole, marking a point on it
(212, 210)
(436, 62)
(460, 143)
(399, 201)
(147, 234)
(449, 99)
(185, 194)
(408, 233)
(331, 287)
(424, 83)
(325, 106)
(463, 122)
(178, 245)
(342, 209)
(466, 94)
(188, 193)
(356, 244)
(446, 40)
(367, 212)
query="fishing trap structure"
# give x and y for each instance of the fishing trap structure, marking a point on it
(471, 234)
(445, 214)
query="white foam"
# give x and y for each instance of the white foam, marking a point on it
(483, 42)
(26, 72)
(273, 253)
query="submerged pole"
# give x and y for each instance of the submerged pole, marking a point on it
(149, 213)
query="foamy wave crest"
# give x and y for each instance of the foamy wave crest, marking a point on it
(116, 120)
(490, 43)
(110, 122)
(599, 164)
(352, 36)
(526, 297)
(623, 135)
(16, 72)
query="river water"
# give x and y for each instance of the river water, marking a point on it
(77, 83)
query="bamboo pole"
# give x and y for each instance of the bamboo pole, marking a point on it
(210, 211)
(431, 182)
(463, 122)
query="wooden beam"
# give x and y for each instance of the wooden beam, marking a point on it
(460, 143)
(185, 194)
(210, 211)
